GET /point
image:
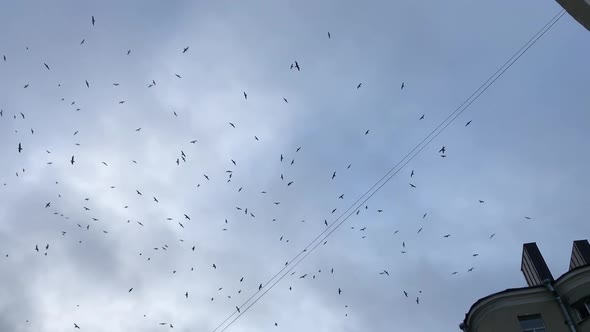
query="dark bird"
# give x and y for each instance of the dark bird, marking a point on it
(72, 160)
(454, 273)
(359, 86)
(187, 217)
(299, 148)
(290, 183)
(417, 300)
(48, 204)
(413, 186)
(93, 20)
(20, 148)
(260, 287)
(422, 117)
(447, 235)
(122, 102)
(181, 225)
(468, 123)
(238, 309)
(82, 42)
(297, 66)
(206, 177)
(185, 49)
(186, 295)
(47, 247)
(245, 95)
(138, 192)
(341, 196)
(256, 138)
(231, 124)
(156, 200)
(128, 52)
(475, 255)
(442, 150)
(420, 230)
(37, 248)
(481, 201)
(470, 269)
(46, 66)
(491, 236)
(424, 216)
(193, 141)
(281, 157)
(333, 175)
(527, 218)
(26, 85)
(233, 162)
(285, 99)
(339, 291)
(76, 326)
(87, 84)
(329, 35)
(402, 86)
(412, 173)
(130, 289)
(367, 132)
(384, 272)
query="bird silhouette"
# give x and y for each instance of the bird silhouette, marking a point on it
(359, 86)
(329, 35)
(20, 148)
(245, 95)
(76, 326)
(412, 185)
(93, 20)
(185, 49)
(72, 160)
(402, 87)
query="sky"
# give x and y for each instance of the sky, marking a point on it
(523, 155)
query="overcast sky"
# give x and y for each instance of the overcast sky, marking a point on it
(524, 154)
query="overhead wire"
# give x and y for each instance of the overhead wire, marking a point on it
(392, 172)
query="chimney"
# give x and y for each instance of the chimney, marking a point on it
(580, 254)
(533, 265)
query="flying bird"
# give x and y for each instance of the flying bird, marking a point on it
(76, 326)
(333, 175)
(231, 124)
(413, 186)
(468, 122)
(359, 86)
(130, 289)
(20, 148)
(422, 117)
(297, 66)
(447, 235)
(329, 35)
(442, 150)
(87, 84)
(93, 20)
(481, 201)
(245, 95)
(82, 42)
(72, 160)
(46, 66)
(285, 99)
(402, 86)
(367, 132)
(185, 49)
(384, 272)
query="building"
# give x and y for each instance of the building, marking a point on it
(545, 305)
(578, 9)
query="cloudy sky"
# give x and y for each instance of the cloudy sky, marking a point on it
(524, 154)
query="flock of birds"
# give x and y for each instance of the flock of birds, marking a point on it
(21, 148)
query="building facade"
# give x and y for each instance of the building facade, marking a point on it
(545, 305)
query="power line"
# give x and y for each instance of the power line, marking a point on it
(394, 170)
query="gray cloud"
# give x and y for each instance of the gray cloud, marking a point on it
(521, 155)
